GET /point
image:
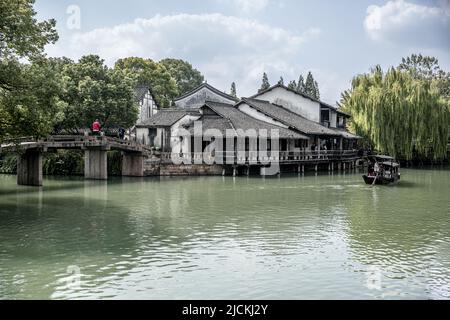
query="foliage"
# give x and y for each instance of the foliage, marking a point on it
(32, 105)
(265, 83)
(281, 81)
(28, 95)
(114, 163)
(63, 163)
(311, 87)
(21, 35)
(426, 67)
(233, 90)
(94, 91)
(292, 85)
(8, 163)
(152, 74)
(187, 78)
(301, 84)
(399, 114)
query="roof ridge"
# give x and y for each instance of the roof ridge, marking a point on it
(205, 85)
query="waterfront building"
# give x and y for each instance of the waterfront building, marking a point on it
(308, 131)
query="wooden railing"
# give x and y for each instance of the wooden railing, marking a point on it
(255, 158)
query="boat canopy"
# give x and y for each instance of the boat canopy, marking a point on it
(383, 158)
(390, 164)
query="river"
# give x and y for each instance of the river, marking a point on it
(324, 237)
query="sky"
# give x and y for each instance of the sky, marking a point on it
(238, 40)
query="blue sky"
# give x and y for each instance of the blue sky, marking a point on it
(237, 40)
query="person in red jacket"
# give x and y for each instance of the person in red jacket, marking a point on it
(96, 126)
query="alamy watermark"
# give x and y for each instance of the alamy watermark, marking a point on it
(74, 18)
(231, 146)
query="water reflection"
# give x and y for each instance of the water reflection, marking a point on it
(296, 237)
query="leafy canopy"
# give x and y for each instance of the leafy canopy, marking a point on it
(186, 77)
(398, 113)
(149, 73)
(94, 91)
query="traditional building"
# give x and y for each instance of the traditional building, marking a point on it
(205, 92)
(159, 131)
(297, 129)
(148, 106)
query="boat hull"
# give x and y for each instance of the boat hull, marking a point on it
(380, 180)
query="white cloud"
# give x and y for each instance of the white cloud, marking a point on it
(224, 48)
(410, 24)
(251, 5)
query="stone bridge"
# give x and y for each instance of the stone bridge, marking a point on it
(29, 160)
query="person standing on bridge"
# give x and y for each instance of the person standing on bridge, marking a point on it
(96, 127)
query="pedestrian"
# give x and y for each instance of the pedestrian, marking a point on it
(96, 127)
(121, 133)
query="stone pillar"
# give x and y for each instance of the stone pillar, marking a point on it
(132, 164)
(29, 168)
(95, 164)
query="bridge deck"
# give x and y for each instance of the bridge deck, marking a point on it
(75, 142)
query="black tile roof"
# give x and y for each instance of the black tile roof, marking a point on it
(166, 118)
(289, 118)
(239, 120)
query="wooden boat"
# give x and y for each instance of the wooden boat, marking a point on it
(383, 170)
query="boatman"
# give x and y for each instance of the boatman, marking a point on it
(376, 168)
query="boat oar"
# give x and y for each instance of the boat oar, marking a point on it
(374, 180)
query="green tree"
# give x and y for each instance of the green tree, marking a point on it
(147, 72)
(292, 85)
(33, 106)
(398, 114)
(281, 81)
(21, 35)
(316, 91)
(233, 90)
(265, 83)
(311, 87)
(27, 92)
(301, 84)
(426, 67)
(186, 77)
(94, 91)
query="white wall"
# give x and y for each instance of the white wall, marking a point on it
(147, 107)
(245, 108)
(198, 99)
(294, 102)
(142, 136)
(175, 144)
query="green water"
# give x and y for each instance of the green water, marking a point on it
(326, 236)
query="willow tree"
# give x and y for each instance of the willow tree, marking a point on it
(398, 114)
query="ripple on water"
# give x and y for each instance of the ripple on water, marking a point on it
(310, 237)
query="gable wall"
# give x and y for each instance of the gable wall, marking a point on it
(294, 102)
(198, 99)
(245, 108)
